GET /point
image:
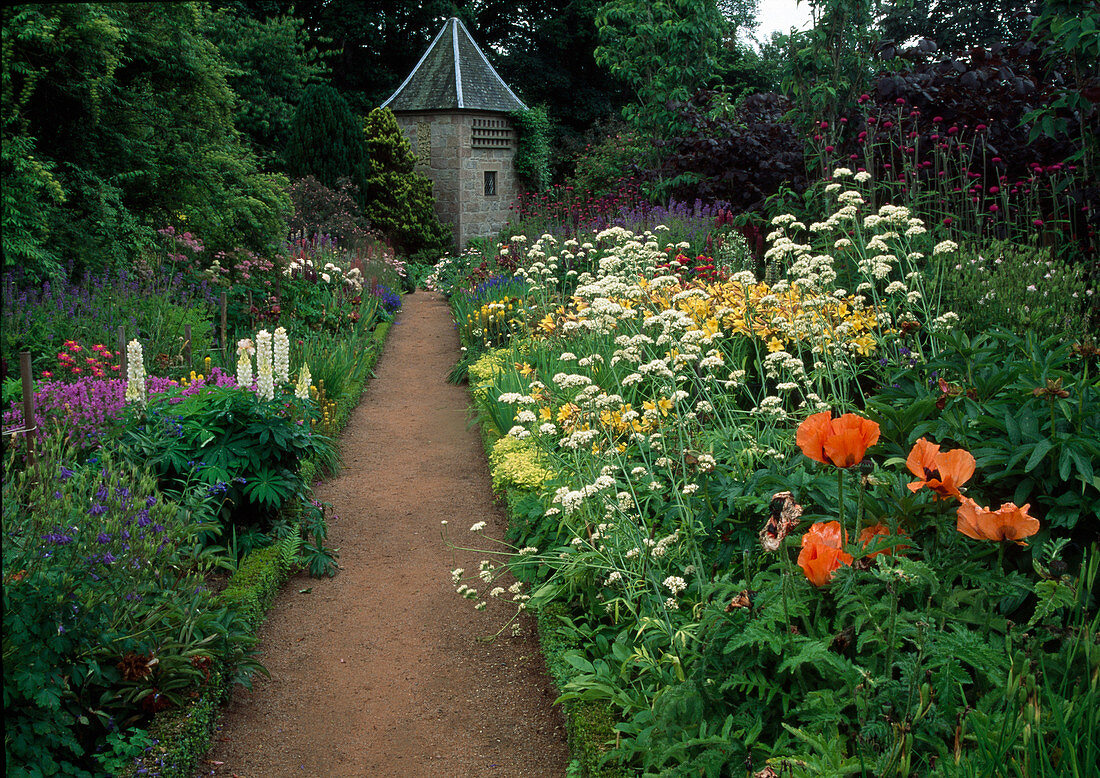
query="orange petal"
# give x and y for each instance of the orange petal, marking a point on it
(969, 520)
(811, 435)
(1014, 523)
(922, 457)
(956, 467)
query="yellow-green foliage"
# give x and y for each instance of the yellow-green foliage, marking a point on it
(515, 464)
(483, 372)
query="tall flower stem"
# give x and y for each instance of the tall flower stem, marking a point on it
(840, 504)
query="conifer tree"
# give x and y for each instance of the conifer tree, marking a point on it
(325, 141)
(399, 201)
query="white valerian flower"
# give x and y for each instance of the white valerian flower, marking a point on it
(675, 584)
(245, 349)
(135, 372)
(282, 356)
(945, 247)
(478, 527)
(301, 389)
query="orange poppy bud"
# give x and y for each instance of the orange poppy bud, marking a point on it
(941, 471)
(823, 552)
(841, 442)
(1006, 523)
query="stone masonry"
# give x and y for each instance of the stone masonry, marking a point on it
(457, 171)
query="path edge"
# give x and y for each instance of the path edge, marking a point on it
(589, 726)
(183, 736)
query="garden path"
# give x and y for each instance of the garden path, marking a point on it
(378, 672)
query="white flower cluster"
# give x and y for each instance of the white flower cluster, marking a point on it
(135, 372)
(245, 349)
(282, 355)
(301, 389)
(675, 584)
(265, 385)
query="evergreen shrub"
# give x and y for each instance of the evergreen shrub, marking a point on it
(398, 200)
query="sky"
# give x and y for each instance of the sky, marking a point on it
(781, 15)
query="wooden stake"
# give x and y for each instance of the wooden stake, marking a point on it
(187, 344)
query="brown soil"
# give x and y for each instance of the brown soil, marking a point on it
(379, 671)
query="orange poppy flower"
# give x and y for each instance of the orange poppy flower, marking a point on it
(823, 552)
(941, 471)
(841, 442)
(1006, 523)
(868, 534)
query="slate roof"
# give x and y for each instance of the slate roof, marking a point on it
(454, 75)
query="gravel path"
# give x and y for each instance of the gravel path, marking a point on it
(379, 672)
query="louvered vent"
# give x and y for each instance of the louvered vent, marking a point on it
(491, 134)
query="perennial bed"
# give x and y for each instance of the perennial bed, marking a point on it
(780, 524)
(145, 640)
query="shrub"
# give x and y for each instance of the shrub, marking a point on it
(1020, 288)
(397, 199)
(532, 158)
(515, 464)
(333, 212)
(325, 141)
(742, 158)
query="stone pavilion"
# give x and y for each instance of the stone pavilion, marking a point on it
(453, 107)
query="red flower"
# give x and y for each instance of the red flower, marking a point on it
(823, 552)
(941, 471)
(841, 442)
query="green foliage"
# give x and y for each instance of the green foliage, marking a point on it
(1019, 288)
(244, 449)
(131, 143)
(532, 158)
(325, 141)
(398, 200)
(663, 50)
(604, 164)
(1070, 37)
(105, 618)
(515, 464)
(1027, 408)
(953, 24)
(30, 192)
(829, 66)
(271, 65)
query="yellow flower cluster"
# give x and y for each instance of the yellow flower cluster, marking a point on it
(779, 316)
(495, 321)
(194, 377)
